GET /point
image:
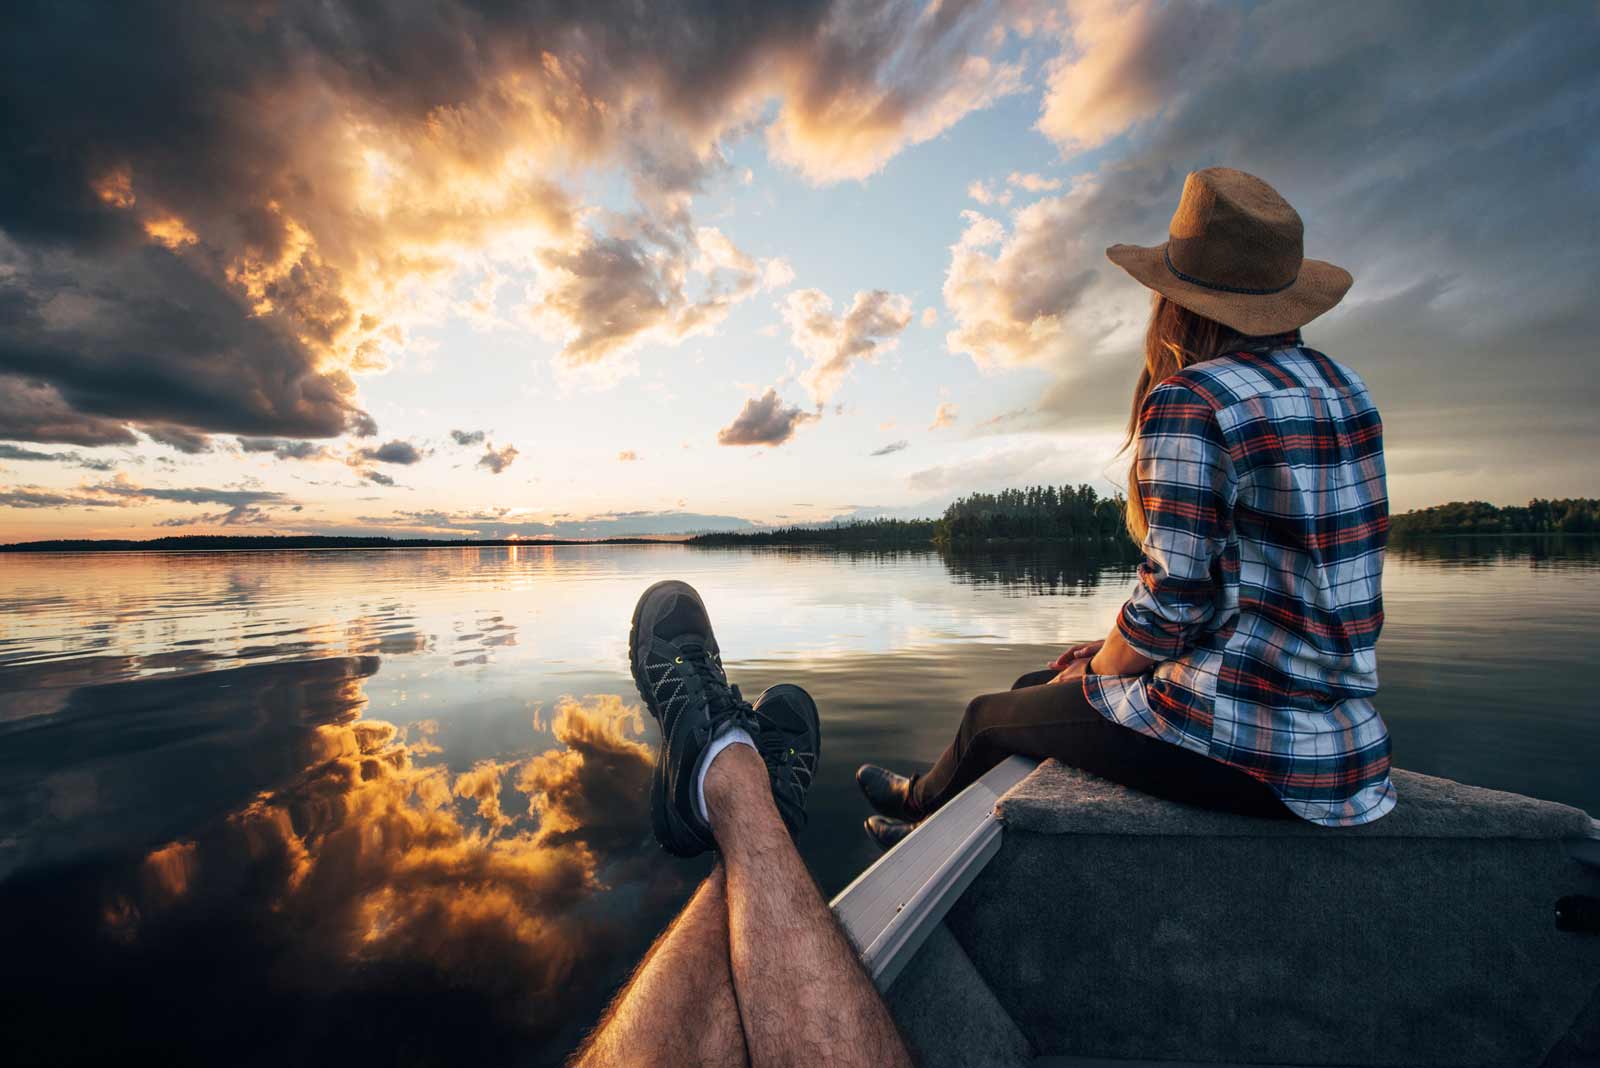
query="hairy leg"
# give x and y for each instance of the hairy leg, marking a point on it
(679, 1006)
(803, 995)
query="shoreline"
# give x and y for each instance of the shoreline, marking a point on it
(715, 542)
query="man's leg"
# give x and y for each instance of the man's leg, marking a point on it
(803, 995)
(678, 1007)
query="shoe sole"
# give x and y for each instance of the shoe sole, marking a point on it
(663, 821)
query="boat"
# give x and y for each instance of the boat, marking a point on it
(1046, 917)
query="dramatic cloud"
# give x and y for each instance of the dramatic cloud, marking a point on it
(497, 460)
(869, 328)
(391, 452)
(34, 411)
(246, 223)
(764, 421)
(1438, 174)
(945, 415)
(885, 75)
(605, 296)
(893, 446)
(1011, 293)
(1124, 62)
(467, 437)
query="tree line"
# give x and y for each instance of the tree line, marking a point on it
(1572, 515)
(1031, 514)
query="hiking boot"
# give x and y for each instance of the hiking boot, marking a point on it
(886, 832)
(887, 792)
(789, 737)
(677, 667)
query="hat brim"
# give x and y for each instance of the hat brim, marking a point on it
(1318, 287)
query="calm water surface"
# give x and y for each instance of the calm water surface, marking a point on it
(290, 808)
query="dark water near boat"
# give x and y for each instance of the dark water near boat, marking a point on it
(294, 808)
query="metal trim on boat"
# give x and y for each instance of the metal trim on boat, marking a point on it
(893, 906)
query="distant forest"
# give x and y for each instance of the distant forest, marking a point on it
(1031, 515)
(258, 543)
(1034, 515)
(1576, 515)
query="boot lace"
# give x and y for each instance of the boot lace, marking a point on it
(726, 703)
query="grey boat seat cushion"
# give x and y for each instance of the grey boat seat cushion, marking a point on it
(1117, 925)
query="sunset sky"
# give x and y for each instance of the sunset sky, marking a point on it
(485, 269)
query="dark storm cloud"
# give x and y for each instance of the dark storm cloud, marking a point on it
(33, 411)
(392, 452)
(764, 420)
(151, 340)
(467, 437)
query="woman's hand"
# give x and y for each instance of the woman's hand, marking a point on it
(1073, 672)
(1077, 652)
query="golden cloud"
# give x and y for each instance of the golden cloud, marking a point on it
(367, 857)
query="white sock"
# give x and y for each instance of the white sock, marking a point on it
(729, 736)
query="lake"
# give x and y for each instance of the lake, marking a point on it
(281, 808)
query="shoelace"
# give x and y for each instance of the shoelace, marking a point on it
(778, 753)
(727, 704)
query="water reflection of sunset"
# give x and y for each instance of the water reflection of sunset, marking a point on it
(360, 803)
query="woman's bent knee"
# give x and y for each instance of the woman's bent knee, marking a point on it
(1033, 678)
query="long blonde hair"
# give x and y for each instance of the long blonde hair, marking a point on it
(1176, 338)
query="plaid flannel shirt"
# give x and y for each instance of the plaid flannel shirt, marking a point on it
(1259, 594)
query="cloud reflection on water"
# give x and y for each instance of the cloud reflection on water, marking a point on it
(302, 857)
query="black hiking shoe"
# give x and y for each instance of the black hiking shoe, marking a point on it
(886, 832)
(887, 792)
(677, 667)
(789, 737)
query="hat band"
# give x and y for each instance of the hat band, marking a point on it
(1219, 287)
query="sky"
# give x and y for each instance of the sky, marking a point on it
(462, 268)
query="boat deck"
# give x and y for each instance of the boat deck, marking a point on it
(1046, 917)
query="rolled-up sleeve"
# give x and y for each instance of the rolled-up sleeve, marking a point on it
(1186, 478)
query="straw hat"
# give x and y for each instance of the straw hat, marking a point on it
(1233, 254)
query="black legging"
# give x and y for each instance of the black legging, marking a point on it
(1036, 720)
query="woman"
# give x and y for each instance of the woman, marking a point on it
(1240, 673)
